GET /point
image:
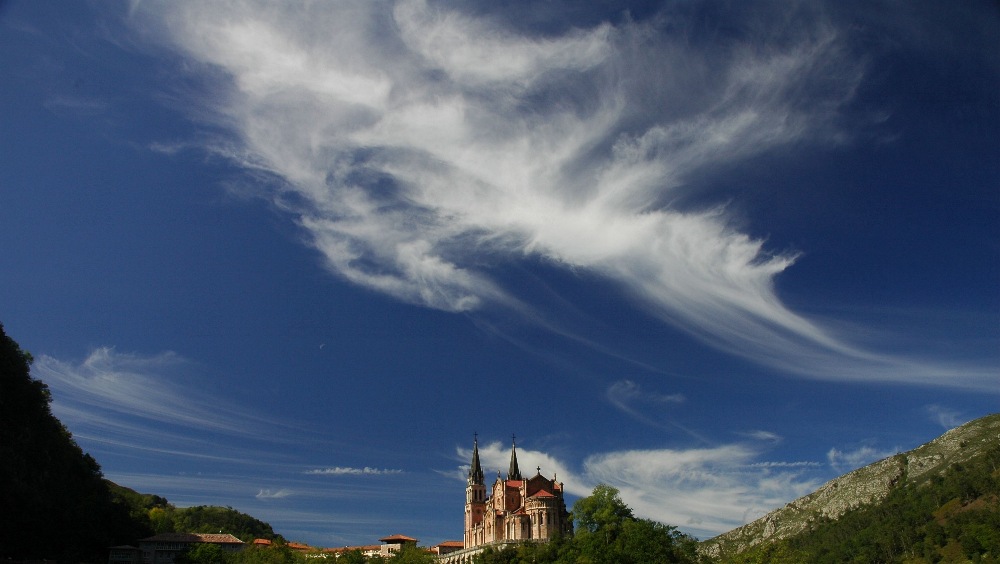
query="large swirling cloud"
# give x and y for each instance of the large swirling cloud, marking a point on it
(420, 148)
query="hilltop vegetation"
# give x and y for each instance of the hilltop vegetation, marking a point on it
(157, 515)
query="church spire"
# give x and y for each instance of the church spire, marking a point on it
(513, 473)
(475, 470)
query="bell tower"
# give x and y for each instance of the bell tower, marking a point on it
(475, 496)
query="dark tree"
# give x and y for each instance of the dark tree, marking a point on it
(55, 502)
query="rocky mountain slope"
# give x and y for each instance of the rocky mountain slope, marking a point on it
(863, 486)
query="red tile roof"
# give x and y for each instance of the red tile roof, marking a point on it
(263, 542)
(397, 539)
(541, 493)
(224, 538)
(452, 544)
(298, 546)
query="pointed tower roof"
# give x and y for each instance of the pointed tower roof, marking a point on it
(475, 470)
(513, 473)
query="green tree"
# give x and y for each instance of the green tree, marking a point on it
(602, 511)
(410, 554)
(274, 554)
(352, 557)
(646, 541)
(161, 520)
(607, 532)
(212, 519)
(504, 555)
(771, 553)
(203, 553)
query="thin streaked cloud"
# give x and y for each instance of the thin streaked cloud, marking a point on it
(349, 471)
(760, 435)
(273, 494)
(155, 405)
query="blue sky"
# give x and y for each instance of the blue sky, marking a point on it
(289, 259)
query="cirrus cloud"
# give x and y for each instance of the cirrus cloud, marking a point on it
(422, 148)
(349, 471)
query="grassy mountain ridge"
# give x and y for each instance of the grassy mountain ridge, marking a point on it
(976, 442)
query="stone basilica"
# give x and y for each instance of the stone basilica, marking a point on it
(517, 509)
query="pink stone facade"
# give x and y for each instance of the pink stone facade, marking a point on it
(517, 509)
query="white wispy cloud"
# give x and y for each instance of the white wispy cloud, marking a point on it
(273, 494)
(760, 435)
(647, 406)
(420, 148)
(846, 460)
(946, 417)
(799, 464)
(350, 471)
(626, 391)
(706, 491)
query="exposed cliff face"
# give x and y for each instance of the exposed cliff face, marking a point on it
(863, 486)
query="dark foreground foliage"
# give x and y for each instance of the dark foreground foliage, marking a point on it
(54, 501)
(208, 553)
